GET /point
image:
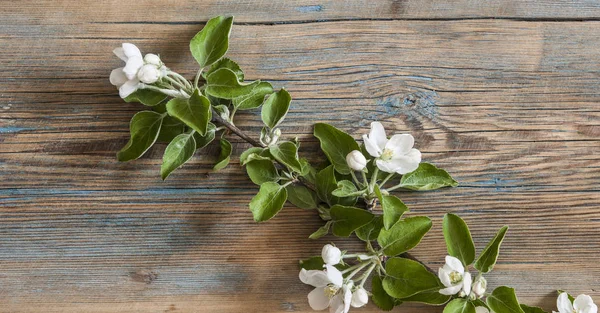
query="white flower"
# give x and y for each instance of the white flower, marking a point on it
(482, 309)
(153, 59)
(454, 277)
(125, 78)
(149, 74)
(356, 160)
(329, 291)
(331, 255)
(394, 155)
(360, 297)
(479, 286)
(582, 304)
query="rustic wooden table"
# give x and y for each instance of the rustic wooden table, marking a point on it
(502, 93)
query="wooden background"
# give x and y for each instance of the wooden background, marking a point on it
(502, 93)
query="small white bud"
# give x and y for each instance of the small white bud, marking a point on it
(148, 74)
(479, 286)
(331, 255)
(360, 297)
(356, 160)
(153, 59)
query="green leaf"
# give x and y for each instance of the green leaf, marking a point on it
(336, 145)
(287, 153)
(171, 127)
(345, 188)
(347, 219)
(308, 171)
(179, 151)
(226, 63)
(244, 157)
(144, 129)
(268, 201)
(275, 108)
(322, 231)
(254, 98)
(427, 177)
(203, 141)
(262, 171)
(489, 255)
(504, 300)
(212, 42)
(223, 83)
(302, 197)
(224, 155)
(370, 231)
(407, 277)
(531, 309)
(194, 112)
(431, 297)
(326, 183)
(459, 305)
(146, 96)
(312, 263)
(458, 239)
(393, 208)
(381, 299)
(404, 235)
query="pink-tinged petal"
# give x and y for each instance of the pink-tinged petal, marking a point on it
(377, 134)
(481, 309)
(584, 304)
(455, 264)
(400, 144)
(314, 278)
(467, 283)
(120, 53)
(563, 303)
(132, 67)
(337, 304)
(372, 147)
(128, 88)
(451, 290)
(444, 277)
(318, 299)
(387, 166)
(117, 77)
(130, 50)
(334, 275)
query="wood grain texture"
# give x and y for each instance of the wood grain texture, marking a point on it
(503, 94)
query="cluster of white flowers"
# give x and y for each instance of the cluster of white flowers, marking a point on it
(458, 281)
(394, 155)
(581, 304)
(137, 70)
(331, 289)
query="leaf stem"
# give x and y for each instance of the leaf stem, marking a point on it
(373, 180)
(394, 187)
(366, 275)
(197, 78)
(385, 180)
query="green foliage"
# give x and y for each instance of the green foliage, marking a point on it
(287, 153)
(268, 202)
(179, 151)
(144, 129)
(393, 208)
(336, 145)
(431, 297)
(212, 42)
(459, 305)
(302, 197)
(326, 183)
(381, 299)
(254, 98)
(405, 278)
(504, 300)
(262, 171)
(345, 188)
(370, 231)
(226, 63)
(224, 155)
(489, 255)
(404, 235)
(312, 263)
(203, 141)
(322, 231)
(223, 83)
(347, 219)
(531, 309)
(427, 177)
(146, 96)
(458, 239)
(195, 112)
(275, 108)
(171, 127)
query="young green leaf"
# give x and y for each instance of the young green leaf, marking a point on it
(427, 177)
(146, 96)
(381, 299)
(312, 263)
(223, 83)
(404, 235)
(275, 108)
(171, 127)
(336, 145)
(407, 277)
(531, 309)
(302, 197)
(179, 151)
(504, 300)
(244, 157)
(322, 231)
(345, 188)
(203, 141)
(268, 202)
(489, 255)
(347, 219)
(262, 171)
(226, 63)
(393, 208)
(212, 42)
(144, 129)
(254, 98)
(194, 112)
(460, 305)
(326, 183)
(370, 231)
(431, 297)
(287, 153)
(224, 155)
(458, 239)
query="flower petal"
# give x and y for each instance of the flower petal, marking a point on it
(347, 297)
(132, 67)
(318, 299)
(401, 144)
(334, 275)
(481, 309)
(564, 304)
(314, 278)
(130, 50)
(387, 166)
(128, 88)
(584, 304)
(452, 290)
(117, 77)
(467, 283)
(337, 304)
(377, 134)
(120, 53)
(372, 147)
(444, 277)
(455, 264)
(408, 162)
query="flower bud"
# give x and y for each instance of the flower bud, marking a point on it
(360, 297)
(331, 255)
(356, 160)
(479, 286)
(148, 74)
(153, 59)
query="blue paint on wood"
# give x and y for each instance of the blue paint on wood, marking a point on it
(309, 8)
(12, 129)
